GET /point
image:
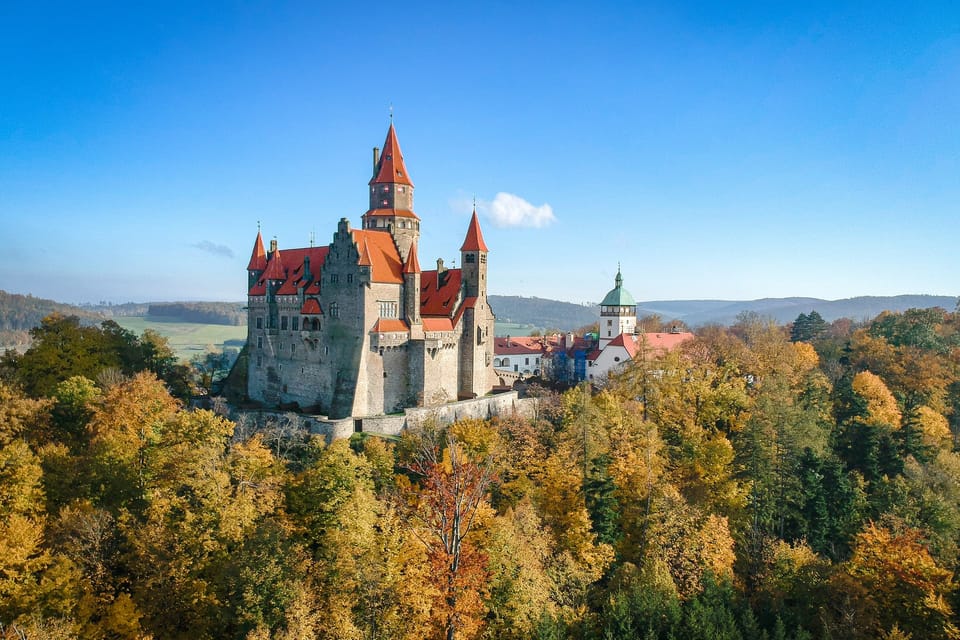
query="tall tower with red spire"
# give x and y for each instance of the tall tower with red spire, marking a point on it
(476, 347)
(391, 196)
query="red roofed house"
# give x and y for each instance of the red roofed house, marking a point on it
(619, 338)
(356, 328)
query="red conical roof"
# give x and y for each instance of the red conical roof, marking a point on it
(275, 268)
(258, 260)
(390, 168)
(412, 265)
(474, 240)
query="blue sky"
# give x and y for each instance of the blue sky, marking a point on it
(716, 150)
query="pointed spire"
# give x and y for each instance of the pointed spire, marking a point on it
(275, 267)
(258, 259)
(412, 265)
(474, 240)
(618, 281)
(364, 260)
(390, 169)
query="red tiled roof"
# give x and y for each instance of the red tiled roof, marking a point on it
(389, 325)
(412, 265)
(364, 259)
(293, 279)
(393, 213)
(274, 267)
(390, 168)
(439, 301)
(382, 254)
(656, 342)
(311, 307)
(437, 324)
(509, 346)
(474, 240)
(258, 259)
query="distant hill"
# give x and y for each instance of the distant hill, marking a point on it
(543, 313)
(22, 313)
(700, 312)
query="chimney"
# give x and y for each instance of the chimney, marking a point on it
(440, 267)
(569, 340)
(376, 159)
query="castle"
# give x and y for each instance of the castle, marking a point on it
(356, 328)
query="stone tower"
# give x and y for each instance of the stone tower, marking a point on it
(476, 346)
(391, 196)
(618, 312)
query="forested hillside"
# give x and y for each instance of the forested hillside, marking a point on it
(22, 313)
(543, 313)
(231, 313)
(745, 486)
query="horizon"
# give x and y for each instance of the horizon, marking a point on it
(717, 151)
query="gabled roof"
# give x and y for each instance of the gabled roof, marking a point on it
(521, 345)
(656, 343)
(311, 307)
(439, 300)
(364, 260)
(412, 265)
(390, 168)
(293, 277)
(275, 267)
(380, 250)
(474, 240)
(258, 259)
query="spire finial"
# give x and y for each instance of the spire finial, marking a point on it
(258, 226)
(391, 113)
(474, 203)
(618, 281)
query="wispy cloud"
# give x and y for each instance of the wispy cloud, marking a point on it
(509, 210)
(221, 250)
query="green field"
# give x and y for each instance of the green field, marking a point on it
(186, 338)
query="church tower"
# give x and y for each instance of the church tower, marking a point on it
(618, 312)
(391, 196)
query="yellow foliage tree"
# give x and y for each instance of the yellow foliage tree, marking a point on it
(882, 407)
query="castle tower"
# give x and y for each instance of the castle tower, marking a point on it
(476, 345)
(391, 196)
(411, 287)
(618, 312)
(473, 258)
(258, 261)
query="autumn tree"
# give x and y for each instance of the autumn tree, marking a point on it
(443, 509)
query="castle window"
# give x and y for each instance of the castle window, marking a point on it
(388, 308)
(334, 278)
(259, 342)
(259, 361)
(609, 323)
(283, 323)
(295, 323)
(384, 202)
(293, 349)
(617, 359)
(526, 361)
(349, 278)
(469, 258)
(334, 310)
(400, 188)
(385, 189)
(483, 258)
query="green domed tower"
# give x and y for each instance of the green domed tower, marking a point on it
(618, 312)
